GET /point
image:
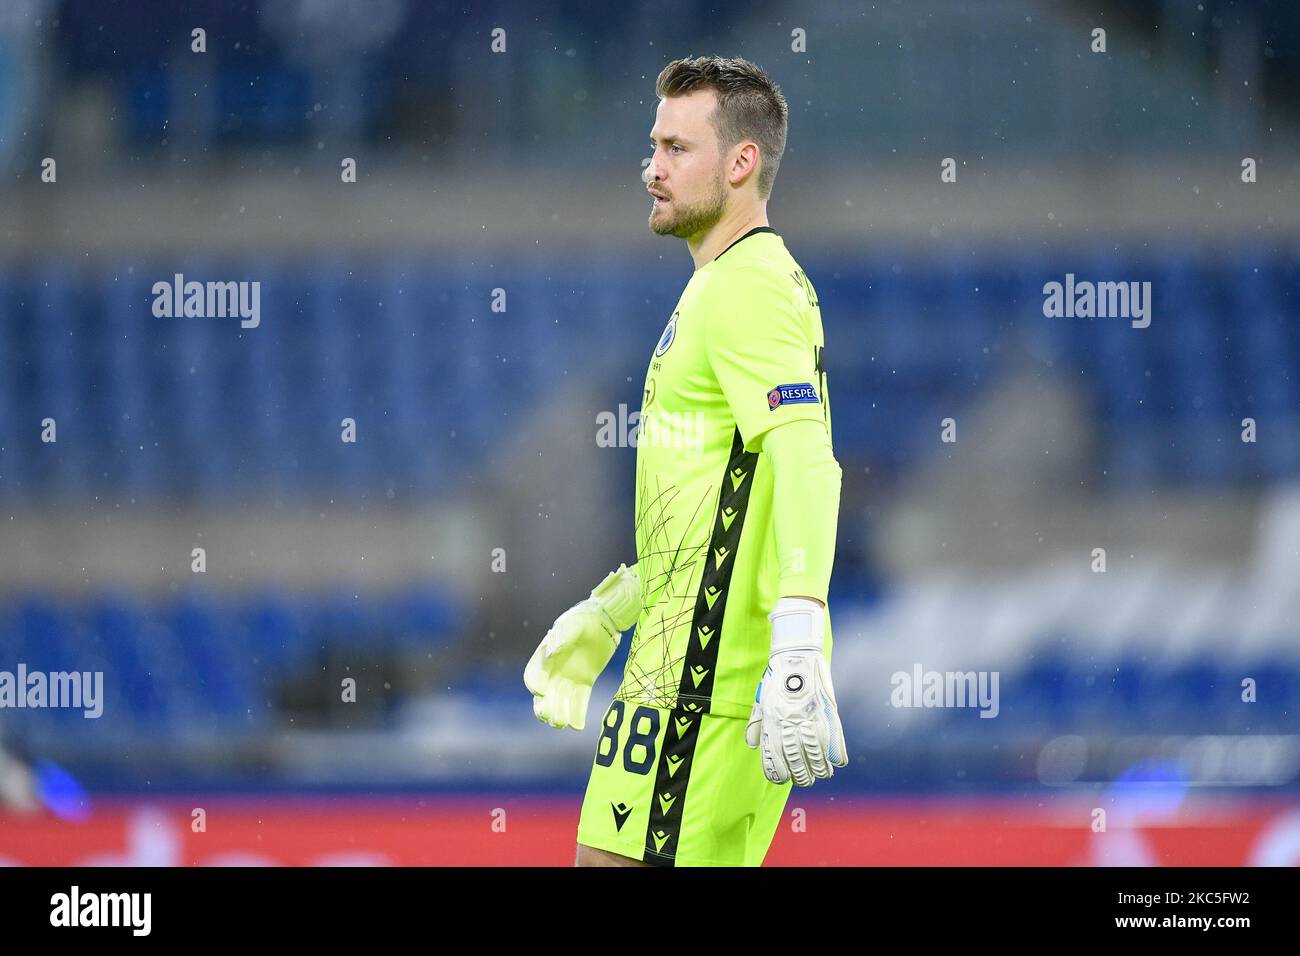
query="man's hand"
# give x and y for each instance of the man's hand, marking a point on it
(578, 646)
(795, 718)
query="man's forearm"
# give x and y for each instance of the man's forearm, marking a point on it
(805, 507)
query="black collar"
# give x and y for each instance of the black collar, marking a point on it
(755, 230)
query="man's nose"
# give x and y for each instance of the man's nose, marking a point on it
(650, 173)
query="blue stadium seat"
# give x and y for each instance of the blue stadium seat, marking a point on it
(215, 672)
(1041, 693)
(118, 625)
(44, 632)
(1188, 696)
(421, 618)
(344, 622)
(277, 639)
(1132, 684)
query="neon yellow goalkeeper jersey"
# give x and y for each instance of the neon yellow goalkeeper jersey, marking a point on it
(741, 354)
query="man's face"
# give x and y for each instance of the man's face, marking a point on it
(686, 167)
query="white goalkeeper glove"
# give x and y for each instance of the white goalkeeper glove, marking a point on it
(795, 718)
(578, 646)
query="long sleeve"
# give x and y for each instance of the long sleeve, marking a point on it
(806, 505)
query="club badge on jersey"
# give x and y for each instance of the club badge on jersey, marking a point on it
(666, 340)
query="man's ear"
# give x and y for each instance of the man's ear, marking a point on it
(745, 163)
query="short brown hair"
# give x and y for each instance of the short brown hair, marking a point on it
(750, 105)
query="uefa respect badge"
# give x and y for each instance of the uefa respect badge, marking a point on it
(791, 395)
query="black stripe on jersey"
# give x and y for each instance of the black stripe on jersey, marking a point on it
(752, 232)
(695, 692)
(819, 367)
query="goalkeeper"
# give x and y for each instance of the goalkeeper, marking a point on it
(726, 699)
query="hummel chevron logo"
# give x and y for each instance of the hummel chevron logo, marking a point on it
(674, 761)
(620, 814)
(711, 596)
(660, 837)
(666, 801)
(719, 556)
(704, 634)
(698, 674)
(728, 516)
(683, 725)
(738, 476)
